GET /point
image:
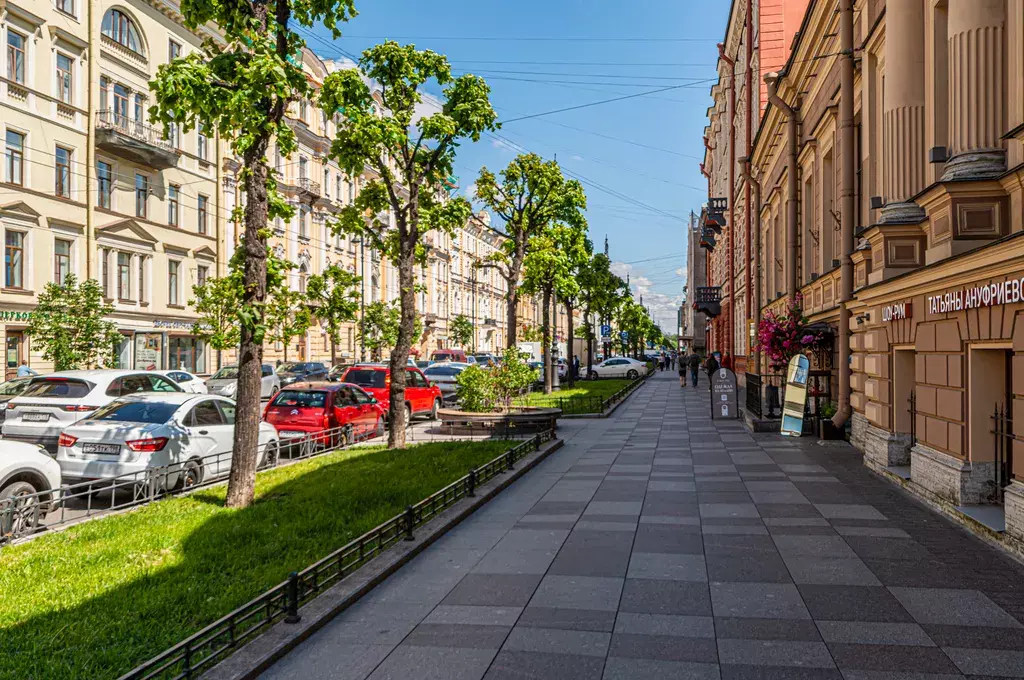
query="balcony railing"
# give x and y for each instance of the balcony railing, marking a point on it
(309, 186)
(708, 300)
(134, 139)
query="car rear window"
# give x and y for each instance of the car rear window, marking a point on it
(365, 377)
(300, 399)
(136, 412)
(441, 371)
(58, 388)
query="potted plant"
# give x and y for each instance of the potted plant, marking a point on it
(827, 430)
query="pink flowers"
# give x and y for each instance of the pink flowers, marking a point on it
(783, 336)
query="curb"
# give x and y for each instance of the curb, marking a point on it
(266, 649)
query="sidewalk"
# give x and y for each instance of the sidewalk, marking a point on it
(661, 544)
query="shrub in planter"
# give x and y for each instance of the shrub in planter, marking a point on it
(475, 390)
(511, 378)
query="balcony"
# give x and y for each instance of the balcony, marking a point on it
(708, 300)
(135, 141)
(490, 323)
(309, 187)
(707, 239)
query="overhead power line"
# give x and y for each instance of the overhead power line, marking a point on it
(498, 38)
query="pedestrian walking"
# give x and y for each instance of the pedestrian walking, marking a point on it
(711, 365)
(576, 366)
(662, 361)
(682, 371)
(694, 364)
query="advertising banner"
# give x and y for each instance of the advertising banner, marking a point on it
(723, 395)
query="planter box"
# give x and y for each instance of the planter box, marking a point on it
(829, 431)
(526, 420)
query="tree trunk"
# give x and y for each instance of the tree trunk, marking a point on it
(590, 342)
(515, 268)
(400, 354)
(546, 340)
(331, 334)
(284, 344)
(570, 347)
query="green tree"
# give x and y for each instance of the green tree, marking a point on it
(380, 327)
(216, 302)
(334, 298)
(512, 377)
(548, 270)
(287, 316)
(412, 157)
(601, 294)
(461, 331)
(240, 85)
(69, 324)
(531, 195)
(569, 289)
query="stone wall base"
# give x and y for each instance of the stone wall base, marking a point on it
(885, 449)
(948, 479)
(858, 427)
(1013, 507)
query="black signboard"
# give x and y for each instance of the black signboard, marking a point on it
(723, 395)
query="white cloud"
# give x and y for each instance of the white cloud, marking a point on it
(576, 157)
(470, 191)
(620, 269)
(664, 307)
(503, 146)
(428, 107)
(681, 272)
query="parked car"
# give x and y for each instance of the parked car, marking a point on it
(423, 365)
(303, 409)
(421, 398)
(186, 381)
(445, 376)
(619, 367)
(194, 433)
(52, 402)
(301, 371)
(538, 368)
(336, 371)
(487, 359)
(25, 471)
(448, 355)
(225, 382)
(9, 390)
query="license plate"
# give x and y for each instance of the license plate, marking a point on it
(36, 417)
(101, 448)
(293, 435)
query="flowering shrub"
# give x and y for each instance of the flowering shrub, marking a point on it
(782, 336)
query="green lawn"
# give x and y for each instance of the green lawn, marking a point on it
(601, 389)
(102, 597)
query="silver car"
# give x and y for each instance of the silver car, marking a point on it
(225, 382)
(445, 376)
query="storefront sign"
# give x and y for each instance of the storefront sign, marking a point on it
(897, 312)
(796, 396)
(723, 395)
(1006, 292)
(15, 316)
(178, 325)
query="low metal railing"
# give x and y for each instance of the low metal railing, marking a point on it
(754, 394)
(213, 643)
(1005, 438)
(31, 514)
(583, 404)
(109, 119)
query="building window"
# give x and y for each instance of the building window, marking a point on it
(14, 259)
(62, 170)
(119, 28)
(15, 157)
(140, 108)
(327, 183)
(337, 186)
(303, 227)
(124, 276)
(104, 93)
(173, 50)
(201, 210)
(15, 57)
(105, 272)
(202, 273)
(141, 194)
(61, 260)
(302, 168)
(121, 95)
(303, 110)
(174, 135)
(201, 142)
(65, 66)
(66, 6)
(172, 282)
(173, 194)
(142, 279)
(104, 173)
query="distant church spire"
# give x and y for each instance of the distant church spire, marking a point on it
(606, 245)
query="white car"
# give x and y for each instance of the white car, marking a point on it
(225, 382)
(29, 482)
(619, 367)
(193, 433)
(52, 402)
(186, 381)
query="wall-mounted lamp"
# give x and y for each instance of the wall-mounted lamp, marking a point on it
(862, 318)
(938, 154)
(876, 202)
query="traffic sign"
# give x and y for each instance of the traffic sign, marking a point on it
(624, 335)
(606, 329)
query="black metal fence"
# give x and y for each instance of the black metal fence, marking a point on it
(582, 404)
(753, 388)
(1005, 439)
(215, 642)
(912, 410)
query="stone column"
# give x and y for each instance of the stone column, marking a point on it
(903, 147)
(977, 88)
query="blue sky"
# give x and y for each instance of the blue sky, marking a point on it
(645, 150)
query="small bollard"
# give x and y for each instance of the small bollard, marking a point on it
(511, 459)
(472, 484)
(409, 519)
(292, 597)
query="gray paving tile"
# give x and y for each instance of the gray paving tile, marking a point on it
(578, 592)
(645, 596)
(848, 511)
(768, 568)
(874, 633)
(758, 600)
(508, 665)
(665, 624)
(891, 658)
(663, 647)
(850, 674)
(732, 672)
(774, 653)
(953, 607)
(976, 637)
(830, 571)
(728, 510)
(736, 628)
(556, 641)
(813, 546)
(568, 619)
(319, 658)
(997, 662)
(853, 603)
(470, 636)
(753, 547)
(653, 669)
(880, 532)
(481, 616)
(591, 525)
(430, 663)
(493, 590)
(659, 538)
(673, 567)
(628, 508)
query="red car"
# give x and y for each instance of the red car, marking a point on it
(305, 409)
(421, 397)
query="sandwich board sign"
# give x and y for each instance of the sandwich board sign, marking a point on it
(796, 396)
(723, 395)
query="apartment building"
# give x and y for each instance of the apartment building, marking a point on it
(90, 187)
(934, 194)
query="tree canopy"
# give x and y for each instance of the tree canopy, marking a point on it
(70, 327)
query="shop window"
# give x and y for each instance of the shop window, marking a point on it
(187, 354)
(149, 351)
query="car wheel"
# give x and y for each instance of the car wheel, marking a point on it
(593, 375)
(408, 415)
(380, 428)
(191, 475)
(435, 409)
(632, 374)
(270, 455)
(24, 512)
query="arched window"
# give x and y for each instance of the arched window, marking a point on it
(119, 28)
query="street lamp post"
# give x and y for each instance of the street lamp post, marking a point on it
(362, 301)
